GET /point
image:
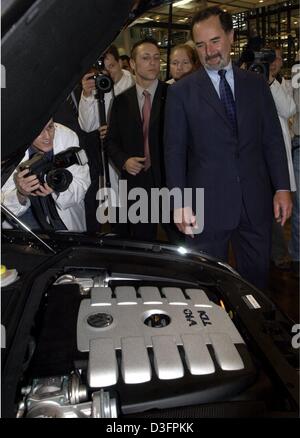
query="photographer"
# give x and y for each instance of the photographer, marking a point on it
(286, 108)
(88, 105)
(122, 79)
(34, 201)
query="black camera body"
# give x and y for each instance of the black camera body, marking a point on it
(262, 61)
(257, 59)
(54, 173)
(103, 83)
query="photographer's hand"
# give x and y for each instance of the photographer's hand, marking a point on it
(88, 84)
(103, 131)
(44, 190)
(26, 185)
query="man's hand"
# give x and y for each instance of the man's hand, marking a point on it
(134, 165)
(103, 131)
(30, 186)
(282, 205)
(185, 220)
(26, 185)
(88, 84)
(44, 190)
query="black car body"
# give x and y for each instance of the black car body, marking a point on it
(101, 327)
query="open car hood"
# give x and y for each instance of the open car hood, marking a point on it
(46, 49)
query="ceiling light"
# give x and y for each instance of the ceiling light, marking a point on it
(261, 1)
(181, 2)
(295, 22)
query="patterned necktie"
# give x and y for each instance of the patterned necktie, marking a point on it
(146, 119)
(227, 100)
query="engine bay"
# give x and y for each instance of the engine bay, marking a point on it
(157, 347)
(128, 335)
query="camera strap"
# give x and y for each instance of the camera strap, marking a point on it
(46, 214)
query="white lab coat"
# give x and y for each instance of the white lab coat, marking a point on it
(286, 108)
(69, 204)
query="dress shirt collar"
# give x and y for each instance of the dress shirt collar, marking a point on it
(214, 73)
(151, 89)
(215, 78)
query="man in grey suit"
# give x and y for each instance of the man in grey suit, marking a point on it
(222, 134)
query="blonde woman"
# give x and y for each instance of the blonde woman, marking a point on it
(183, 60)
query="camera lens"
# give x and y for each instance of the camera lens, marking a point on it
(261, 68)
(257, 68)
(103, 83)
(59, 179)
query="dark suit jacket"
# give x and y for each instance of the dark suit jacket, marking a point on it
(201, 150)
(125, 135)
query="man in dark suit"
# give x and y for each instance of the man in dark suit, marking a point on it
(135, 135)
(222, 134)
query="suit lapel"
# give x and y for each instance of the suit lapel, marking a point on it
(134, 110)
(208, 92)
(157, 103)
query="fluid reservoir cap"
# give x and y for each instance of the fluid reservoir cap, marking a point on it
(8, 276)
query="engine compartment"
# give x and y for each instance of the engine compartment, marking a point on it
(126, 349)
(129, 335)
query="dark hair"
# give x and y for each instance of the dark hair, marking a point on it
(189, 51)
(213, 11)
(139, 43)
(112, 50)
(124, 58)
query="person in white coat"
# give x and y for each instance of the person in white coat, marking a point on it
(295, 220)
(20, 191)
(286, 108)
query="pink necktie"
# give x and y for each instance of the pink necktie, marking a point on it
(146, 119)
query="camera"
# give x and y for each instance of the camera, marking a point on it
(257, 59)
(262, 61)
(54, 173)
(103, 82)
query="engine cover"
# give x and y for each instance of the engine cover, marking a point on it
(175, 339)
